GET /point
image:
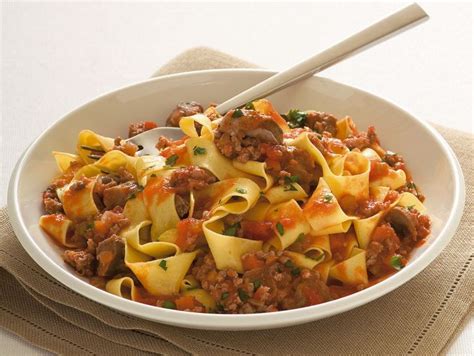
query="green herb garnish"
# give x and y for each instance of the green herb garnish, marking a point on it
(225, 295)
(289, 264)
(280, 228)
(411, 207)
(300, 237)
(199, 150)
(237, 113)
(296, 118)
(396, 262)
(295, 271)
(289, 183)
(231, 230)
(327, 197)
(256, 284)
(163, 264)
(249, 106)
(168, 304)
(243, 295)
(411, 185)
(241, 190)
(171, 160)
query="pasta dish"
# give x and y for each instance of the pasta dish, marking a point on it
(249, 212)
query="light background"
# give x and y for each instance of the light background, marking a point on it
(56, 56)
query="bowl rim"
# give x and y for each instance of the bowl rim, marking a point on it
(239, 321)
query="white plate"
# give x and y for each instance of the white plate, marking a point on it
(430, 159)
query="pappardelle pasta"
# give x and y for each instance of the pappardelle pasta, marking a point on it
(249, 212)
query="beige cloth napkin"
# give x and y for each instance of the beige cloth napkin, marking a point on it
(420, 317)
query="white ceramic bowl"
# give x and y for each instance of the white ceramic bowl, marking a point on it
(432, 162)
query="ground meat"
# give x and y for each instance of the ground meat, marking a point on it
(109, 223)
(110, 256)
(139, 127)
(412, 188)
(394, 160)
(321, 122)
(185, 179)
(240, 135)
(384, 244)
(119, 194)
(113, 189)
(83, 262)
(285, 161)
(189, 234)
(274, 284)
(127, 147)
(363, 140)
(51, 202)
(165, 142)
(104, 182)
(181, 110)
(78, 185)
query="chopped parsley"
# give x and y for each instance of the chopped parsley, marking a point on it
(289, 183)
(231, 230)
(295, 271)
(300, 237)
(199, 150)
(396, 262)
(237, 113)
(289, 264)
(256, 284)
(410, 207)
(225, 295)
(296, 118)
(243, 295)
(327, 197)
(249, 106)
(90, 226)
(411, 185)
(163, 265)
(280, 228)
(171, 160)
(168, 304)
(241, 190)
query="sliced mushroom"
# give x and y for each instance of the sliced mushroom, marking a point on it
(267, 131)
(110, 255)
(403, 222)
(181, 203)
(181, 110)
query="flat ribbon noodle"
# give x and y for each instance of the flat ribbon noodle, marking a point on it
(227, 250)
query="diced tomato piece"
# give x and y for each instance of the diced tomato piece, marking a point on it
(185, 302)
(383, 232)
(250, 261)
(257, 230)
(378, 170)
(189, 231)
(148, 125)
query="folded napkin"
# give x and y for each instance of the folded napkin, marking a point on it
(420, 317)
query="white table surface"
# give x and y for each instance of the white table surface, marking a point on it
(56, 56)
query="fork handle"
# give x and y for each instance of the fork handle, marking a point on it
(380, 31)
